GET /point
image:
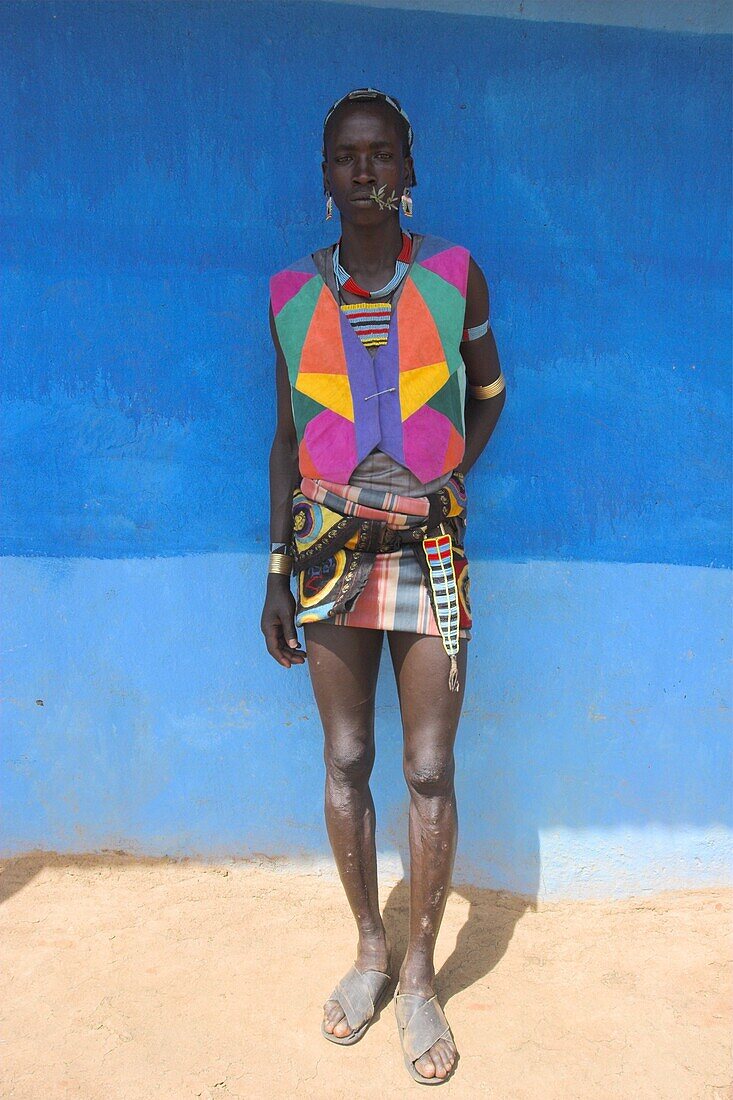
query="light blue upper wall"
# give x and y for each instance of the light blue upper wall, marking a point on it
(159, 160)
(593, 756)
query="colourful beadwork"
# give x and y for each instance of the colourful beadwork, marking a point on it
(370, 321)
(439, 553)
(402, 263)
(476, 332)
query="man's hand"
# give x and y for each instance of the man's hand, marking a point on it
(278, 622)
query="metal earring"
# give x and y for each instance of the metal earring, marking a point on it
(329, 206)
(407, 203)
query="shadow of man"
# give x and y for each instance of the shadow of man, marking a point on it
(481, 942)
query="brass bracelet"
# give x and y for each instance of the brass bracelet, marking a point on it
(482, 393)
(280, 563)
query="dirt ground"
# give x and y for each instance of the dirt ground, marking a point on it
(129, 979)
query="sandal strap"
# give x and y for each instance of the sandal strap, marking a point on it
(422, 1022)
(357, 993)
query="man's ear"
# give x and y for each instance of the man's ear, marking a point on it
(409, 170)
(326, 181)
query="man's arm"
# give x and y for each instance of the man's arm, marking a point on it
(482, 369)
(278, 614)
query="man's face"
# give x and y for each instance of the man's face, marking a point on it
(364, 153)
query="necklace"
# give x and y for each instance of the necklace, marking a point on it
(344, 281)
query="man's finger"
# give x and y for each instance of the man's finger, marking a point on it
(290, 632)
(275, 644)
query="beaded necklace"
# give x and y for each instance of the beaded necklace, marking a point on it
(344, 281)
(370, 321)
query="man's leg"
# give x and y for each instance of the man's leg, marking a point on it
(430, 714)
(344, 663)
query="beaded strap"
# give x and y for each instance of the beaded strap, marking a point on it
(402, 263)
(475, 333)
(439, 554)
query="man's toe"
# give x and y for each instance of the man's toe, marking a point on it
(425, 1065)
(336, 1022)
(445, 1057)
(440, 1050)
(332, 1013)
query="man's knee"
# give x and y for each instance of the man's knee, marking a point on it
(349, 762)
(429, 773)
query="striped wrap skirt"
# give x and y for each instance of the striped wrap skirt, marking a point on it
(394, 590)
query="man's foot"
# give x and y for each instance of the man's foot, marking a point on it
(439, 1060)
(372, 955)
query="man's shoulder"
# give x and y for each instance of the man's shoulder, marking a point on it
(290, 281)
(448, 260)
(433, 245)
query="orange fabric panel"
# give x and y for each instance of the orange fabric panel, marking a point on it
(420, 342)
(454, 450)
(323, 350)
(305, 462)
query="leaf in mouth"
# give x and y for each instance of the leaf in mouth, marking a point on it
(389, 203)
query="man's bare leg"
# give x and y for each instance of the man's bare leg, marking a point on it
(430, 714)
(344, 663)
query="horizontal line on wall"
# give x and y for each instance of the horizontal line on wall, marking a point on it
(676, 16)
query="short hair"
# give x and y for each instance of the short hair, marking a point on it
(373, 95)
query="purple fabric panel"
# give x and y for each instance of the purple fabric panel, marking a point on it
(305, 263)
(360, 368)
(430, 246)
(387, 374)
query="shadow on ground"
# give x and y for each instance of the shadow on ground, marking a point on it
(481, 942)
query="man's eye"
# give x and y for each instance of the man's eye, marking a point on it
(385, 156)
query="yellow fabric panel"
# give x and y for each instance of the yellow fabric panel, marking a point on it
(418, 386)
(330, 390)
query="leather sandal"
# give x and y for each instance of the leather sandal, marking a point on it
(421, 1022)
(360, 994)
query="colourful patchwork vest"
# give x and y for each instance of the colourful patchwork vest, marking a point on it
(408, 399)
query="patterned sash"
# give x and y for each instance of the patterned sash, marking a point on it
(339, 529)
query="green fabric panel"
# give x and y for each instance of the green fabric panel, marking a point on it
(460, 376)
(448, 309)
(449, 402)
(304, 409)
(292, 324)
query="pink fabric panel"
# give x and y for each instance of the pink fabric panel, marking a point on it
(426, 436)
(284, 286)
(331, 443)
(451, 265)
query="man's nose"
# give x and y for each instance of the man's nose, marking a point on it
(363, 171)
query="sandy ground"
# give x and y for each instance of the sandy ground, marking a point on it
(129, 979)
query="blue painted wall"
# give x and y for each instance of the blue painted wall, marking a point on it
(158, 162)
